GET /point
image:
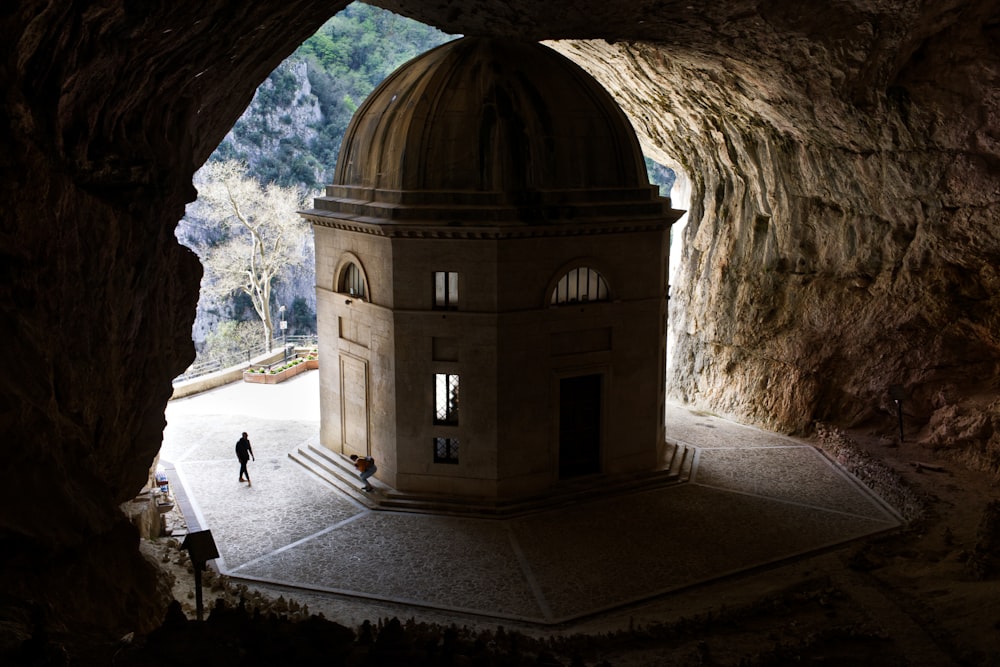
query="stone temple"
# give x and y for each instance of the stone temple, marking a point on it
(491, 270)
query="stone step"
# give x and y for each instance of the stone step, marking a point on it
(324, 464)
(339, 472)
(680, 460)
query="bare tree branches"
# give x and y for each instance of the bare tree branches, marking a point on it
(262, 236)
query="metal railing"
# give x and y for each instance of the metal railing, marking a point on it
(244, 357)
(309, 340)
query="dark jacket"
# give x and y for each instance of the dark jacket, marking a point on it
(243, 451)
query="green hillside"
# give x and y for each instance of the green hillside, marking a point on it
(291, 132)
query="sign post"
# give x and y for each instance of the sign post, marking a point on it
(201, 548)
(897, 394)
(284, 330)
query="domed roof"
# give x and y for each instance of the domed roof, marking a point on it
(487, 114)
(488, 131)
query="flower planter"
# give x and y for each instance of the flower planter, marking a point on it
(266, 377)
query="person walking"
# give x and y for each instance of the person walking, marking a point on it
(366, 468)
(244, 453)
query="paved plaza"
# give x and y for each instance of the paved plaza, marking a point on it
(754, 498)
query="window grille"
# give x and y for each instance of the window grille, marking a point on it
(352, 282)
(445, 450)
(445, 398)
(580, 285)
(446, 290)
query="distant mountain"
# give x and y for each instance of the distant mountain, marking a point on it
(292, 130)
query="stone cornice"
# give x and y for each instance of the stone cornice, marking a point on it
(377, 227)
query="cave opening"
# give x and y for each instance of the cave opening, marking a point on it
(282, 151)
(222, 331)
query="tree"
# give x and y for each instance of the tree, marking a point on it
(259, 237)
(230, 341)
(301, 318)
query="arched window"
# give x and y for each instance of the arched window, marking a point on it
(352, 281)
(580, 285)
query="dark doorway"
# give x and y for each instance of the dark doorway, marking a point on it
(579, 426)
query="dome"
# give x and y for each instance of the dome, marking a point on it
(484, 123)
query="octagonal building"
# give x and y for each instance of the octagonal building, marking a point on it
(491, 266)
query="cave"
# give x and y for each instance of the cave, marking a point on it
(841, 238)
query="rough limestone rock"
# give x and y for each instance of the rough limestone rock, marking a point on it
(842, 161)
(842, 229)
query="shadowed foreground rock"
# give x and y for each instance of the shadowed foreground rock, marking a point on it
(236, 636)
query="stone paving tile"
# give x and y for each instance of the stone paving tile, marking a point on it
(793, 474)
(616, 551)
(278, 419)
(705, 430)
(213, 437)
(755, 498)
(442, 562)
(285, 504)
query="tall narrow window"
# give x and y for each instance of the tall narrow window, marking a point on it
(445, 450)
(445, 398)
(352, 282)
(445, 290)
(580, 285)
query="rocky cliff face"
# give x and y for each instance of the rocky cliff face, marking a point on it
(283, 116)
(283, 112)
(842, 236)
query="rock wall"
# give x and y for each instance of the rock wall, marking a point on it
(843, 163)
(842, 233)
(109, 108)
